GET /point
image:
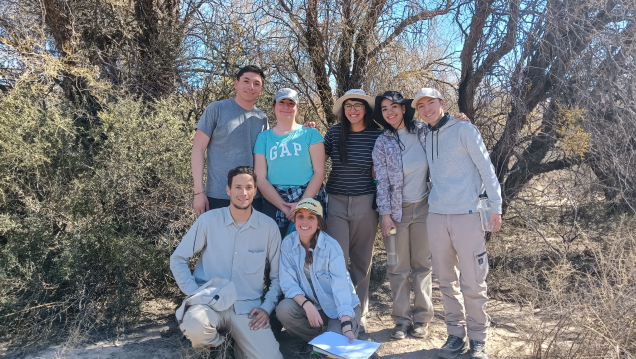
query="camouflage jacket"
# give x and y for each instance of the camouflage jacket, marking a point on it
(387, 163)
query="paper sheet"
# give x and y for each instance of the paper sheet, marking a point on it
(339, 345)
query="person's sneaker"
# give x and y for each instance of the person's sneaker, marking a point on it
(478, 350)
(453, 347)
(400, 331)
(420, 330)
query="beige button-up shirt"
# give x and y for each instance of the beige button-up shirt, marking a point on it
(228, 252)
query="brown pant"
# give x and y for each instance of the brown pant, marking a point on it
(295, 322)
(461, 263)
(200, 324)
(414, 262)
(353, 223)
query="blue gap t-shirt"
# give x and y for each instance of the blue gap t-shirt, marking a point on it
(288, 158)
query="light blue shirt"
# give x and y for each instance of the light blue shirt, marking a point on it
(288, 158)
(232, 253)
(329, 275)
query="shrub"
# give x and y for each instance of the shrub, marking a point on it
(86, 233)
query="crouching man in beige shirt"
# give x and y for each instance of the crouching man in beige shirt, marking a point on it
(234, 242)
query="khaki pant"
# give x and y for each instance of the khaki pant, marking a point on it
(200, 324)
(414, 263)
(353, 223)
(295, 322)
(461, 263)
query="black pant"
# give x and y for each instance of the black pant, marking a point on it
(270, 210)
(220, 203)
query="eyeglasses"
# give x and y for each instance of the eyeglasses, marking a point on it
(356, 107)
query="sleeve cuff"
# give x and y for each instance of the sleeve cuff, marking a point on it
(292, 293)
(346, 310)
(384, 211)
(496, 208)
(268, 307)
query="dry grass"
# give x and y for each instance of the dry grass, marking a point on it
(585, 299)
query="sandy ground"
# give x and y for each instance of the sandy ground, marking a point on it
(159, 337)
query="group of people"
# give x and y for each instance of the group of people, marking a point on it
(264, 201)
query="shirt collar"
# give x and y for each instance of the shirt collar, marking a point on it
(251, 222)
(319, 244)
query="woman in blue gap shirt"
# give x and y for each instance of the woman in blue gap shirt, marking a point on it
(289, 161)
(314, 280)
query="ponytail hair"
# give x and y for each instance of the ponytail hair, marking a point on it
(309, 255)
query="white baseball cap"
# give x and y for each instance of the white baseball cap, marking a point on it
(286, 93)
(426, 92)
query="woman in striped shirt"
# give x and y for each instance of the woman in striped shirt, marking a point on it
(352, 219)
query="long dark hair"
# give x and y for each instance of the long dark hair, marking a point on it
(322, 225)
(408, 117)
(409, 120)
(345, 128)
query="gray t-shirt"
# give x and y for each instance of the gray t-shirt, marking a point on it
(414, 167)
(232, 131)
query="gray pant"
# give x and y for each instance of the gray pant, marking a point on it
(201, 324)
(461, 263)
(353, 223)
(414, 263)
(295, 321)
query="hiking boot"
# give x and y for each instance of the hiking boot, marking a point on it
(453, 347)
(400, 331)
(478, 350)
(420, 330)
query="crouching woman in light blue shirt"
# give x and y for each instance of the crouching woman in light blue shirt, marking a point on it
(314, 278)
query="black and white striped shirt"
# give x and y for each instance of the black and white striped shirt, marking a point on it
(356, 178)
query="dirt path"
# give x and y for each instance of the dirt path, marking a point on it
(159, 337)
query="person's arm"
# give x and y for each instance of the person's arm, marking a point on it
(318, 159)
(383, 196)
(288, 276)
(197, 160)
(273, 256)
(291, 288)
(329, 142)
(340, 285)
(193, 242)
(474, 144)
(267, 190)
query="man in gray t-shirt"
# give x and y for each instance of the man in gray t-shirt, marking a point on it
(228, 130)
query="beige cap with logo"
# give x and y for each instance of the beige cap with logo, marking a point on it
(311, 205)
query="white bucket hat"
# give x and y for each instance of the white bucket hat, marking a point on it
(353, 93)
(426, 92)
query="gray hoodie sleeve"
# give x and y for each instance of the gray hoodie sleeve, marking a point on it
(474, 144)
(193, 242)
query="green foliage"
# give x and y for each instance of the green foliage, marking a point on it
(86, 234)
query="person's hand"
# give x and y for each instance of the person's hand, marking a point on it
(348, 332)
(310, 124)
(200, 204)
(461, 117)
(495, 222)
(387, 224)
(315, 320)
(292, 207)
(260, 319)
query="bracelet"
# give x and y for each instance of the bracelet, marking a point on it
(345, 323)
(347, 331)
(306, 300)
(199, 193)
